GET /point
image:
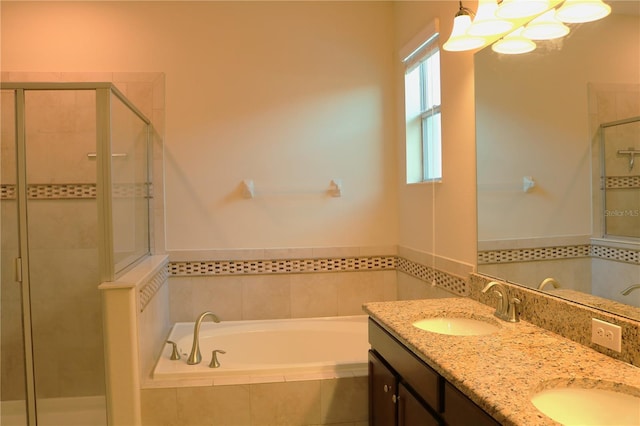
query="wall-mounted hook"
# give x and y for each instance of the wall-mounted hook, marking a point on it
(335, 187)
(528, 183)
(248, 189)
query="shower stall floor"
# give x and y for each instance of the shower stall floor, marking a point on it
(79, 411)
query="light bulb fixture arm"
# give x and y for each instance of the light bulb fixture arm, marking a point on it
(465, 11)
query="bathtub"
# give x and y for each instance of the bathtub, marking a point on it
(270, 350)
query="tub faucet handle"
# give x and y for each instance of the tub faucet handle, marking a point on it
(214, 358)
(175, 355)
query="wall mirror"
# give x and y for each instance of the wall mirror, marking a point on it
(558, 180)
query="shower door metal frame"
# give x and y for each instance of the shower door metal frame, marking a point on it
(23, 262)
(603, 184)
(104, 195)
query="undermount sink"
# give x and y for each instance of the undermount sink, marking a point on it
(582, 406)
(456, 326)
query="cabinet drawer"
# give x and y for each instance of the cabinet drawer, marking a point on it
(425, 381)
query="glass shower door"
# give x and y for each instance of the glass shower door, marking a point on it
(63, 267)
(13, 409)
(621, 178)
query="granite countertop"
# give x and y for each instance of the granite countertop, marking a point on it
(500, 371)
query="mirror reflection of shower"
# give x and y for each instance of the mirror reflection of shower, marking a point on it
(620, 148)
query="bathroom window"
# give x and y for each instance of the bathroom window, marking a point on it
(422, 112)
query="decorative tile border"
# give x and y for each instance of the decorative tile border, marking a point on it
(555, 253)
(430, 275)
(68, 191)
(151, 287)
(286, 266)
(618, 254)
(298, 266)
(7, 192)
(622, 182)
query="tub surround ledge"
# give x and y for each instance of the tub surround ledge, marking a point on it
(500, 371)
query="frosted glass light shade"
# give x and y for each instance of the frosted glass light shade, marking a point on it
(545, 27)
(459, 40)
(486, 23)
(513, 44)
(579, 11)
(513, 9)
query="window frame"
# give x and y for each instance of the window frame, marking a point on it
(416, 56)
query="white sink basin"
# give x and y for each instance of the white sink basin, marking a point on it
(456, 326)
(579, 406)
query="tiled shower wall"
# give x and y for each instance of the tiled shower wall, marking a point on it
(64, 273)
(63, 255)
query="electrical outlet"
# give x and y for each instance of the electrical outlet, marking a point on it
(606, 334)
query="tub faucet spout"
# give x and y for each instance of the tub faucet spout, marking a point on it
(195, 357)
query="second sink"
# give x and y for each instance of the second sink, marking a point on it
(456, 326)
(578, 406)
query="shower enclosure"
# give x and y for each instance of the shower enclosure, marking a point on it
(74, 213)
(620, 146)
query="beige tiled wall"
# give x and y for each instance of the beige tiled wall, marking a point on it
(279, 296)
(315, 402)
(410, 288)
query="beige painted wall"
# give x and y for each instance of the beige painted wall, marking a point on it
(534, 120)
(289, 94)
(440, 218)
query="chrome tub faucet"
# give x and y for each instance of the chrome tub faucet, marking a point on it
(507, 309)
(195, 357)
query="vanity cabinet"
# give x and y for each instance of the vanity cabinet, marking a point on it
(405, 391)
(391, 402)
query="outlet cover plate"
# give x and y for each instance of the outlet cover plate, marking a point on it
(606, 334)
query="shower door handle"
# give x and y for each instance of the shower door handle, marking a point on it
(18, 264)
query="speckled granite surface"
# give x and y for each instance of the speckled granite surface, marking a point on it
(500, 371)
(597, 302)
(568, 319)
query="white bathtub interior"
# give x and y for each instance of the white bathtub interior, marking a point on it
(270, 350)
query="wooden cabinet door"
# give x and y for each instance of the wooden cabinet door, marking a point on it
(459, 410)
(383, 386)
(411, 412)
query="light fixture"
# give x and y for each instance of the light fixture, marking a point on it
(513, 9)
(579, 11)
(460, 40)
(514, 44)
(545, 27)
(531, 19)
(486, 23)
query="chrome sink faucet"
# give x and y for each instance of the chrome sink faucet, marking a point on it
(551, 281)
(195, 357)
(507, 309)
(629, 289)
